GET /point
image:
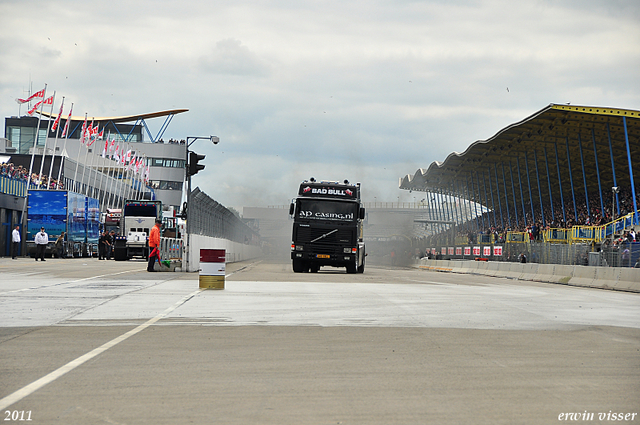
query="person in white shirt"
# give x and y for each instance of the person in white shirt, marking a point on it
(41, 240)
(15, 242)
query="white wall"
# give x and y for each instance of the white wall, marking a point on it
(234, 251)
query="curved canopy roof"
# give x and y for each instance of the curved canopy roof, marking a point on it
(555, 144)
(122, 119)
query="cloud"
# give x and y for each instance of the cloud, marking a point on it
(363, 90)
(230, 57)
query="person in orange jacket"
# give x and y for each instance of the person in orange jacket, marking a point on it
(154, 245)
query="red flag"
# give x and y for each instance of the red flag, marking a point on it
(57, 121)
(66, 126)
(33, 96)
(84, 130)
(93, 133)
(35, 108)
(48, 101)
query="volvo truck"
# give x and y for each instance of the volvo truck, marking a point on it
(327, 227)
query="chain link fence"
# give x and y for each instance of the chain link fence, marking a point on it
(209, 218)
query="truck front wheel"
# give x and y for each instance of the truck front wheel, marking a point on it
(298, 266)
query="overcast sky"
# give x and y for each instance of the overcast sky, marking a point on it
(368, 91)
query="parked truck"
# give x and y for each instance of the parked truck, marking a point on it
(64, 211)
(136, 220)
(327, 227)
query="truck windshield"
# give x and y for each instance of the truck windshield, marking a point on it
(140, 210)
(313, 209)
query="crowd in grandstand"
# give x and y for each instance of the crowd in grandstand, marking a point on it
(491, 223)
(38, 181)
(173, 141)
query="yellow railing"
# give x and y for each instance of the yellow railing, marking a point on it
(557, 235)
(588, 234)
(517, 237)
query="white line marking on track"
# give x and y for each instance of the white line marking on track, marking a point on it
(47, 379)
(68, 282)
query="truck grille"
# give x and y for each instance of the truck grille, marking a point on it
(332, 243)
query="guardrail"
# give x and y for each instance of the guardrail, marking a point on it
(557, 235)
(517, 237)
(171, 248)
(12, 186)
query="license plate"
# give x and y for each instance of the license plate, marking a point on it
(323, 256)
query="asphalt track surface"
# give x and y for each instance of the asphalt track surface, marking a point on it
(84, 341)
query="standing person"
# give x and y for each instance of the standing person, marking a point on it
(102, 245)
(41, 240)
(154, 244)
(110, 239)
(60, 246)
(15, 242)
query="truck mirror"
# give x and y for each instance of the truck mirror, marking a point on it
(291, 208)
(361, 216)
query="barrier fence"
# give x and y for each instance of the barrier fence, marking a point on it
(171, 248)
(624, 255)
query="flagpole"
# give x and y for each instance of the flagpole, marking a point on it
(64, 148)
(116, 186)
(95, 179)
(117, 183)
(23, 217)
(75, 176)
(55, 144)
(132, 177)
(123, 191)
(46, 137)
(110, 183)
(86, 156)
(35, 140)
(91, 161)
(106, 149)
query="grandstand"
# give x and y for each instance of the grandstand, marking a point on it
(562, 175)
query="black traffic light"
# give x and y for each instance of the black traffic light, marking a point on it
(194, 167)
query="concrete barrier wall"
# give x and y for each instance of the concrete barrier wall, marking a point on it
(623, 279)
(234, 251)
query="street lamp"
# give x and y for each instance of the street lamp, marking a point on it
(192, 167)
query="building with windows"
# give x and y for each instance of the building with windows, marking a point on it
(83, 168)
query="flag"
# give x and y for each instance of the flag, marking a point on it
(116, 155)
(88, 132)
(33, 96)
(93, 135)
(34, 109)
(57, 121)
(112, 146)
(66, 125)
(83, 132)
(106, 147)
(128, 158)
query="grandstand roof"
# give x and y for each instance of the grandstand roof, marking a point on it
(578, 130)
(124, 118)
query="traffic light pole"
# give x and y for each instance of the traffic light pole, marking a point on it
(189, 172)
